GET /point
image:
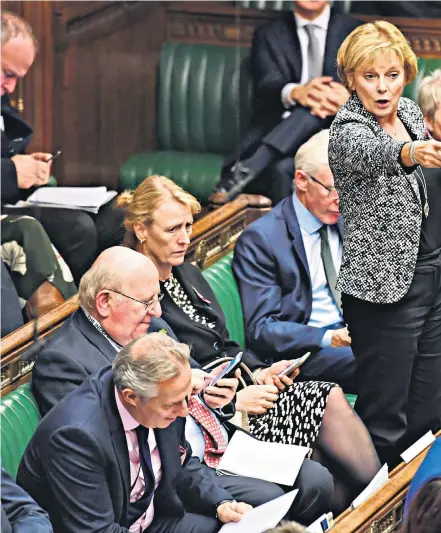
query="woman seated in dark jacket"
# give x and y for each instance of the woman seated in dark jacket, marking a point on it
(159, 222)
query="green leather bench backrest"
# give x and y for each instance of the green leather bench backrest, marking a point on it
(221, 279)
(19, 418)
(205, 95)
(425, 67)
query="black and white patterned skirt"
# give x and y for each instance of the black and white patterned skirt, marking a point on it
(296, 416)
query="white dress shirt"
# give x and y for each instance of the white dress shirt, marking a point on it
(324, 312)
(321, 30)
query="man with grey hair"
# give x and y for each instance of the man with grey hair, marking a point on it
(430, 104)
(119, 302)
(112, 457)
(286, 265)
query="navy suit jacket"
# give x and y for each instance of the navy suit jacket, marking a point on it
(76, 465)
(76, 351)
(272, 272)
(19, 512)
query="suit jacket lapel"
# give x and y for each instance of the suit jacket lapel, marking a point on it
(333, 42)
(118, 435)
(296, 235)
(293, 45)
(94, 336)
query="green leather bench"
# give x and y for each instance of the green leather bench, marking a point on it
(19, 418)
(204, 99)
(221, 279)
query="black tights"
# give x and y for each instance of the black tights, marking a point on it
(345, 448)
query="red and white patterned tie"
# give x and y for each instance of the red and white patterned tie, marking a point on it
(215, 444)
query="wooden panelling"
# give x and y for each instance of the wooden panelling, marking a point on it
(106, 57)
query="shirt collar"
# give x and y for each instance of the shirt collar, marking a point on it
(99, 328)
(307, 221)
(128, 422)
(322, 21)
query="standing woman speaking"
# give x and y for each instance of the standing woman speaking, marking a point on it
(390, 275)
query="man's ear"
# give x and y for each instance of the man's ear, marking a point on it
(429, 123)
(140, 231)
(301, 180)
(102, 303)
(129, 396)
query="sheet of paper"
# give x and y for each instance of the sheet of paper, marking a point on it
(70, 196)
(418, 446)
(247, 456)
(263, 517)
(378, 481)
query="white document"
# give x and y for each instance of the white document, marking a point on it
(247, 456)
(77, 197)
(263, 517)
(379, 481)
(417, 447)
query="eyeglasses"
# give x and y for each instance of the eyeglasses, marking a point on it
(147, 305)
(332, 191)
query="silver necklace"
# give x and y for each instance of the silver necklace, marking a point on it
(420, 177)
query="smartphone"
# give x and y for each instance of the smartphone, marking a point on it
(54, 156)
(228, 371)
(295, 364)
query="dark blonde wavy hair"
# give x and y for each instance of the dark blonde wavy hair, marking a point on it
(141, 203)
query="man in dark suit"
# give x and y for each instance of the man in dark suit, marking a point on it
(112, 456)
(297, 93)
(119, 299)
(19, 512)
(286, 265)
(77, 235)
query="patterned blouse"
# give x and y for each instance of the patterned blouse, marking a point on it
(179, 296)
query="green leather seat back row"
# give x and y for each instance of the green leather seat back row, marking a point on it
(19, 418)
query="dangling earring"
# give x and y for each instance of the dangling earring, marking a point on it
(141, 241)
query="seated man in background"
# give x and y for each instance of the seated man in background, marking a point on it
(429, 99)
(286, 266)
(297, 93)
(78, 236)
(19, 512)
(113, 456)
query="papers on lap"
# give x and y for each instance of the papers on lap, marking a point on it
(247, 456)
(263, 517)
(84, 198)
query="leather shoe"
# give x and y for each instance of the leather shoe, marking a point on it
(237, 180)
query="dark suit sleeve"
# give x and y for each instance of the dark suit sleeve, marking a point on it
(197, 484)
(54, 376)
(76, 472)
(268, 75)
(24, 515)
(268, 333)
(10, 190)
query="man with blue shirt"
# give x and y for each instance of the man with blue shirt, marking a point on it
(286, 265)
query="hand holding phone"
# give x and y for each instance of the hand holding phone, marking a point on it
(229, 370)
(295, 364)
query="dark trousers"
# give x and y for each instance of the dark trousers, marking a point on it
(397, 349)
(78, 236)
(11, 317)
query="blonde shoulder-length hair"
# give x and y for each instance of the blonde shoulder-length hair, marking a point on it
(361, 47)
(141, 203)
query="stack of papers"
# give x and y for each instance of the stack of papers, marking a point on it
(262, 518)
(83, 198)
(247, 456)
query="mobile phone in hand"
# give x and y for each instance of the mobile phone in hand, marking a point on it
(54, 156)
(228, 371)
(295, 364)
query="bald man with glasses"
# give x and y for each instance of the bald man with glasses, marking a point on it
(286, 264)
(119, 302)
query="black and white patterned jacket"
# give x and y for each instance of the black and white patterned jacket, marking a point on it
(379, 200)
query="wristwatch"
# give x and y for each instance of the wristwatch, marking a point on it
(220, 503)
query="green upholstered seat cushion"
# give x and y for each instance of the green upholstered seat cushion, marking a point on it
(195, 173)
(19, 418)
(221, 279)
(425, 67)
